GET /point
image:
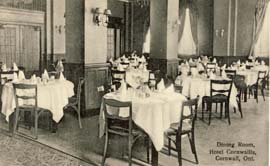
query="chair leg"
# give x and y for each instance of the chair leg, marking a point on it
(240, 107)
(216, 107)
(105, 149)
(221, 110)
(79, 118)
(16, 121)
(203, 110)
(228, 112)
(148, 149)
(36, 124)
(169, 146)
(210, 111)
(129, 151)
(256, 94)
(179, 149)
(262, 93)
(194, 147)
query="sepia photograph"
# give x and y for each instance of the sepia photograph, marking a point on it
(134, 82)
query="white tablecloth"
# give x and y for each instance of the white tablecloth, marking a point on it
(201, 86)
(153, 114)
(250, 76)
(52, 96)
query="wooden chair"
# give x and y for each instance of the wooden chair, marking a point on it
(211, 66)
(178, 88)
(121, 126)
(117, 76)
(3, 75)
(221, 96)
(184, 127)
(241, 86)
(260, 84)
(75, 101)
(30, 93)
(230, 73)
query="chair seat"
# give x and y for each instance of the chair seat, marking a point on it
(31, 107)
(216, 98)
(186, 127)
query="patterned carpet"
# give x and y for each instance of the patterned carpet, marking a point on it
(20, 151)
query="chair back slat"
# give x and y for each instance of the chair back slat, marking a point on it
(230, 73)
(261, 75)
(225, 84)
(25, 96)
(117, 76)
(178, 88)
(117, 104)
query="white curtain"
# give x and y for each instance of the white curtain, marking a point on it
(187, 46)
(262, 47)
(146, 44)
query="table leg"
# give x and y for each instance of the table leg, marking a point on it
(54, 126)
(154, 156)
(245, 95)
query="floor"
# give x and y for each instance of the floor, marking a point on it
(252, 130)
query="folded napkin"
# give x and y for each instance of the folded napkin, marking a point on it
(223, 74)
(250, 57)
(224, 67)
(238, 62)
(4, 67)
(205, 58)
(199, 59)
(120, 67)
(214, 60)
(211, 75)
(161, 85)
(143, 59)
(61, 77)
(187, 63)
(141, 67)
(262, 62)
(45, 75)
(33, 78)
(21, 75)
(169, 89)
(15, 67)
(111, 60)
(247, 63)
(200, 67)
(190, 60)
(15, 77)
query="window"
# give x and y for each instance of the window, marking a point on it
(262, 48)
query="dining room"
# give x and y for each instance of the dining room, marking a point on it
(134, 82)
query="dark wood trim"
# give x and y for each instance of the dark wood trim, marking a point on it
(52, 33)
(95, 75)
(96, 65)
